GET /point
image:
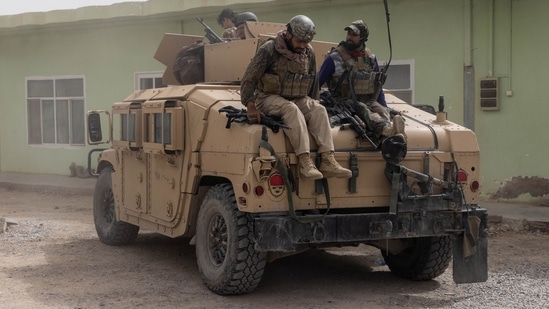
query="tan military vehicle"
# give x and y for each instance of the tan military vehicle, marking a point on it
(184, 162)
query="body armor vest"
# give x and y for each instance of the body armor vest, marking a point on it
(362, 74)
(288, 79)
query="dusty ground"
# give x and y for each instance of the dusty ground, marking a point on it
(52, 259)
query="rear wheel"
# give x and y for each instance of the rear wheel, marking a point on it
(109, 229)
(425, 259)
(225, 252)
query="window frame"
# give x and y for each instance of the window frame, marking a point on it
(411, 64)
(138, 76)
(70, 101)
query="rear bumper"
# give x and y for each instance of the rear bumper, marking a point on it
(284, 233)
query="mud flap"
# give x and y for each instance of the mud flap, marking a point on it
(470, 254)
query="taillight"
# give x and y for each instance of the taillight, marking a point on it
(462, 176)
(474, 186)
(259, 190)
(245, 187)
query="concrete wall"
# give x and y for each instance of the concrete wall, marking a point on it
(500, 38)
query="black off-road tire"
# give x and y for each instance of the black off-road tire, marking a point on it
(109, 229)
(428, 258)
(225, 253)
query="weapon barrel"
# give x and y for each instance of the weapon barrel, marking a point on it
(210, 34)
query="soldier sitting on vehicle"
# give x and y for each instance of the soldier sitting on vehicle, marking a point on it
(281, 80)
(352, 63)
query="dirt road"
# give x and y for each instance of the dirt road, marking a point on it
(53, 259)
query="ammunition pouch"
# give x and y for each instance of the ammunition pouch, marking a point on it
(271, 83)
(296, 85)
(292, 85)
(364, 83)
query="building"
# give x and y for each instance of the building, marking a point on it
(58, 64)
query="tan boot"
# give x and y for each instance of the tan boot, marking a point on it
(330, 168)
(397, 128)
(387, 130)
(307, 168)
(398, 125)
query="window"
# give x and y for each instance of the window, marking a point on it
(163, 123)
(55, 111)
(148, 80)
(400, 80)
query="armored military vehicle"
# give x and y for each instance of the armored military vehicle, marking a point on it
(184, 162)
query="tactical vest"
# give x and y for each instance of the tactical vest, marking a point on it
(362, 73)
(287, 78)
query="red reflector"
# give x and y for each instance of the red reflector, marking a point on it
(276, 180)
(259, 190)
(462, 177)
(474, 186)
(245, 187)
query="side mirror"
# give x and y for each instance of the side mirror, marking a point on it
(94, 128)
(95, 134)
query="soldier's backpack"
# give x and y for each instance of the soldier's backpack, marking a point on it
(189, 64)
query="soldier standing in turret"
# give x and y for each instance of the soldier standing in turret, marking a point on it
(240, 23)
(226, 20)
(281, 80)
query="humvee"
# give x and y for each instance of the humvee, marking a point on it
(179, 167)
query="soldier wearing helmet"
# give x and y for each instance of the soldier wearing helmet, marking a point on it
(363, 68)
(281, 80)
(240, 23)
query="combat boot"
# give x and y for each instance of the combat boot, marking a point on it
(330, 168)
(398, 125)
(396, 128)
(307, 168)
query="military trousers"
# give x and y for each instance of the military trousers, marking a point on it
(375, 115)
(304, 115)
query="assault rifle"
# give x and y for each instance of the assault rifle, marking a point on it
(240, 115)
(346, 113)
(344, 109)
(210, 34)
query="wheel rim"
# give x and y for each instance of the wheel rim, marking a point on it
(217, 240)
(108, 206)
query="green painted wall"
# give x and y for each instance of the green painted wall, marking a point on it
(513, 140)
(106, 55)
(507, 41)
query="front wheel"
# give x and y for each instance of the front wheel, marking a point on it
(225, 252)
(109, 229)
(426, 258)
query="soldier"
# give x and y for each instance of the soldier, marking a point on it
(353, 55)
(240, 23)
(226, 20)
(281, 80)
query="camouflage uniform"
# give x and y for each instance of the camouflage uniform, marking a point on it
(230, 34)
(299, 112)
(284, 83)
(375, 115)
(363, 72)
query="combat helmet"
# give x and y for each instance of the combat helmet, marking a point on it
(244, 17)
(302, 27)
(359, 27)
